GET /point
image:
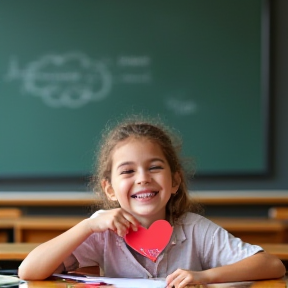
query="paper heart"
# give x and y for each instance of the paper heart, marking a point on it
(150, 242)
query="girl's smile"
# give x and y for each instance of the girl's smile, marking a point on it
(144, 195)
(141, 179)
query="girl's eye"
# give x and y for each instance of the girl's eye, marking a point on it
(155, 168)
(127, 172)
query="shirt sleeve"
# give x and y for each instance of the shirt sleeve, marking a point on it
(70, 263)
(90, 252)
(227, 249)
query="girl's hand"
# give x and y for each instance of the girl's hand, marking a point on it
(117, 220)
(181, 278)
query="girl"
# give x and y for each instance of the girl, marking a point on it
(140, 171)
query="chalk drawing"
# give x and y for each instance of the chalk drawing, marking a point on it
(73, 80)
(69, 80)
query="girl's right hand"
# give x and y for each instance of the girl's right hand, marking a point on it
(117, 220)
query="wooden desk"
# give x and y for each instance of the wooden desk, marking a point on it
(279, 250)
(255, 230)
(277, 283)
(7, 213)
(39, 229)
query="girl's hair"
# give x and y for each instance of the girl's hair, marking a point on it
(170, 143)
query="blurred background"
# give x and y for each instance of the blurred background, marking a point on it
(216, 71)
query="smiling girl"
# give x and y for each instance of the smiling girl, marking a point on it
(140, 173)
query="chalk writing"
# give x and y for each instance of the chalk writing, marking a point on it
(135, 61)
(72, 80)
(181, 107)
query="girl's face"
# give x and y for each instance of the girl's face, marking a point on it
(141, 179)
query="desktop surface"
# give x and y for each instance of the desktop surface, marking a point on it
(61, 283)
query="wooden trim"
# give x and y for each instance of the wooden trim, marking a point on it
(250, 224)
(278, 197)
(241, 197)
(47, 198)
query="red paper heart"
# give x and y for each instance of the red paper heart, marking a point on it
(150, 242)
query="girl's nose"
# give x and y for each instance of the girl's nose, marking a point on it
(143, 182)
(143, 178)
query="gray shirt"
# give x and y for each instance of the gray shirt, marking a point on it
(196, 244)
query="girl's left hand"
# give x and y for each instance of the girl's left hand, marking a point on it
(181, 278)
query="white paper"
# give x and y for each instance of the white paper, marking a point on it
(119, 282)
(7, 280)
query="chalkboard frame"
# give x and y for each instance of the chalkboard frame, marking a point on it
(265, 82)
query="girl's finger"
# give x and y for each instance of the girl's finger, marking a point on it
(121, 228)
(123, 220)
(133, 223)
(170, 278)
(177, 280)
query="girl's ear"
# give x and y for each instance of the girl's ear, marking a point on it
(108, 189)
(176, 181)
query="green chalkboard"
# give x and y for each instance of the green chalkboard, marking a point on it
(69, 66)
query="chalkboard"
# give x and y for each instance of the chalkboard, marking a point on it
(67, 67)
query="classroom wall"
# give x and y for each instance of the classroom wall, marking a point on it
(279, 133)
(279, 113)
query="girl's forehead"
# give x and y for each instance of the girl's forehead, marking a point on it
(144, 143)
(132, 140)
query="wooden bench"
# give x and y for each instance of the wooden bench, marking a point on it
(252, 230)
(15, 251)
(279, 250)
(7, 218)
(39, 229)
(280, 213)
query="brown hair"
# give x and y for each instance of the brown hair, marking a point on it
(170, 143)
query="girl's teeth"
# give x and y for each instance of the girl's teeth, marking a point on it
(146, 195)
